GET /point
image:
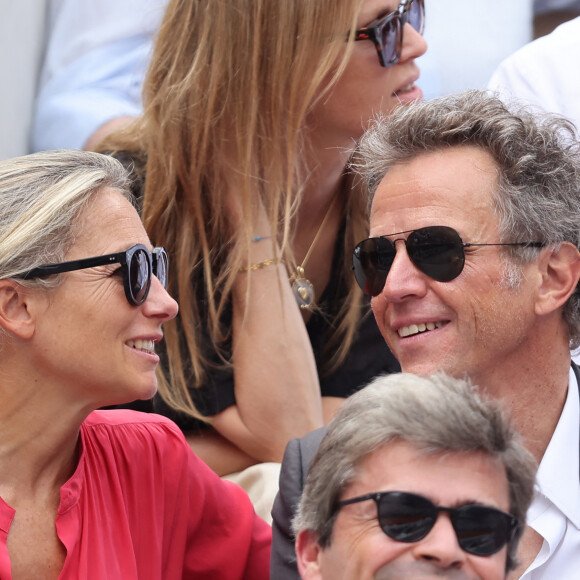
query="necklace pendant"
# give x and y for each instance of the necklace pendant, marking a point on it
(302, 289)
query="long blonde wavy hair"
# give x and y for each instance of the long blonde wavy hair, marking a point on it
(226, 98)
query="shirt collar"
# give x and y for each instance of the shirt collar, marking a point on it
(557, 478)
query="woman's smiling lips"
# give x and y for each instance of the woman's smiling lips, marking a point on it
(146, 345)
(408, 91)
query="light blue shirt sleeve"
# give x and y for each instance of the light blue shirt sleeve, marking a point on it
(95, 62)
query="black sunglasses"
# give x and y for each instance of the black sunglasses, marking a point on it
(407, 517)
(137, 266)
(437, 251)
(387, 32)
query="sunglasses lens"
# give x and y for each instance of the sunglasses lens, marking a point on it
(391, 41)
(372, 260)
(437, 251)
(416, 16)
(160, 265)
(139, 275)
(481, 530)
(406, 517)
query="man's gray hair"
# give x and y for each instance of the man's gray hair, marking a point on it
(41, 199)
(537, 157)
(436, 414)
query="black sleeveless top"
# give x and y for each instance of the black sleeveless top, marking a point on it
(368, 357)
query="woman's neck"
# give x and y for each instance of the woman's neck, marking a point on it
(324, 181)
(38, 439)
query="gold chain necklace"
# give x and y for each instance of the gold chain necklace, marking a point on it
(302, 288)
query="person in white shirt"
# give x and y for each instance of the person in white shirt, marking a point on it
(96, 57)
(543, 72)
(473, 267)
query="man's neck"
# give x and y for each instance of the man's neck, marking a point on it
(534, 392)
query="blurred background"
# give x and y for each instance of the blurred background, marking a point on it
(467, 40)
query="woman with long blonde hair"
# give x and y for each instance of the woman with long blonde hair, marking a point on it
(252, 111)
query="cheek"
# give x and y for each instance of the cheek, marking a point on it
(491, 567)
(379, 307)
(361, 93)
(360, 553)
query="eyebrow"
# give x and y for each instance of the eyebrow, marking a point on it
(381, 14)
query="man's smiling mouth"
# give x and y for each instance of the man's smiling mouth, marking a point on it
(413, 329)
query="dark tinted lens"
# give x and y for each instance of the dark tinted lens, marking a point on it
(372, 260)
(437, 251)
(416, 16)
(160, 265)
(139, 275)
(481, 530)
(391, 41)
(406, 517)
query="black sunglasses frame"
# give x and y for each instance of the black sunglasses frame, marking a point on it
(398, 18)
(371, 267)
(502, 532)
(158, 263)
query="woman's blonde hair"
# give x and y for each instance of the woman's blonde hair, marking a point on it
(42, 197)
(225, 105)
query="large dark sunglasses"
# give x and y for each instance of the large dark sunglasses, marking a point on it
(137, 266)
(387, 32)
(437, 251)
(407, 517)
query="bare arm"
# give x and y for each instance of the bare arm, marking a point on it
(220, 454)
(224, 457)
(276, 380)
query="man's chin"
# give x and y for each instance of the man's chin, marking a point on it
(418, 570)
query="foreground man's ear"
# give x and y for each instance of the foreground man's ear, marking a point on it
(307, 556)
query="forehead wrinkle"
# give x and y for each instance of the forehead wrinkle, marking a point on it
(109, 224)
(415, 202)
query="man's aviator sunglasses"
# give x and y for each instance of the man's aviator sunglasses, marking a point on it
(407, 517)
(386, 33)
(138, 264)
(437, 251)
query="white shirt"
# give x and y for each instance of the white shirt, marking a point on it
(96, 58)
(545, 73)
(555, 510)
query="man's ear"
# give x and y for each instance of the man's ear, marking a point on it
(308, 553)
(15, 316)
(560, 270)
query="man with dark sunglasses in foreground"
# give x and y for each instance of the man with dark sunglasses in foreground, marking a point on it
(473, 267)
(416, 477)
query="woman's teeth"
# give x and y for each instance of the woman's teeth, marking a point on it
(143, 345)
(405, 89)
(418, 328)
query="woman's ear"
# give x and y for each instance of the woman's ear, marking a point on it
(15, 316)
(560, 270)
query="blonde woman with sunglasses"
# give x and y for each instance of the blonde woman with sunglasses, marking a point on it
(90, 494)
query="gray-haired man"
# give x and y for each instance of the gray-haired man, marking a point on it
(473, 265)
(416, 477)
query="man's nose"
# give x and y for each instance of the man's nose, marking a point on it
(440, 545)
(404, 279)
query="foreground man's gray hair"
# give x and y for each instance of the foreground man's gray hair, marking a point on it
(537, 157)
(435, 414)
